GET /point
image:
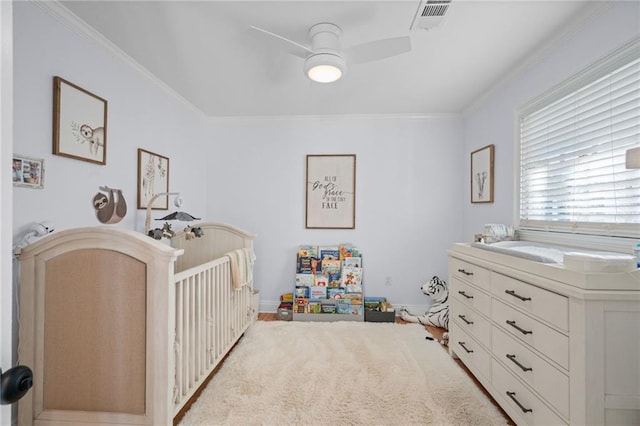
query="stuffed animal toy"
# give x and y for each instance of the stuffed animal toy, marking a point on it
(438, 313)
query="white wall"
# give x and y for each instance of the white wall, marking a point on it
(494, 120)
(140, 115)
(408, 210)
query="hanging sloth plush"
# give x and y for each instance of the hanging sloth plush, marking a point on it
(110, 209)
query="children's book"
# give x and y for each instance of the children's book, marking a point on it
(308, 251)
(330, 266)
(329, 253)
(305, 280)
(348, 250)
(353, 288)
(350, 276)
(335, 292)
(304, 265)
(321, 281)
(352, 262)
(317, 292)
(302, 293)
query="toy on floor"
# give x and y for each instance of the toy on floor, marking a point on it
(438, 313)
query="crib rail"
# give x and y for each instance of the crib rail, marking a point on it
(210, 317)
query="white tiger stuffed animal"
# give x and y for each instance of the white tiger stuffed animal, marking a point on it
(438, 313)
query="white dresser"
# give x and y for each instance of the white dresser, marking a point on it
(551, 345)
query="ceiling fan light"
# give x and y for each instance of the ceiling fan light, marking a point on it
(324, 67)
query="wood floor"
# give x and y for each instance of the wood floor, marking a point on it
(437, 333)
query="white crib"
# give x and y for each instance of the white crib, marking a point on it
(122, 329)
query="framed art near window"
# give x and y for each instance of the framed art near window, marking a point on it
(482, 175)
(331, 191)
(153, 178)
(28, 172)
(79, 123)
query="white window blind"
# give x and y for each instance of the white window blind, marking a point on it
(572, 154)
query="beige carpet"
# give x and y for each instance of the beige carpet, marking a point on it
(340, 373)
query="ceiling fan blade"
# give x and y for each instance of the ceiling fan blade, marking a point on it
(379, 49)
(281, 42)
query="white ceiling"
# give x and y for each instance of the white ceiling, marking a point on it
(205, 51)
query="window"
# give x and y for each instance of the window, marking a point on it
(573, 143)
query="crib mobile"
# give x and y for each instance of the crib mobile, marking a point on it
(166, 231)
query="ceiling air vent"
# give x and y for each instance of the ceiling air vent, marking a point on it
(430, 14)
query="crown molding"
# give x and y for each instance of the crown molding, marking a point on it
(335, 117)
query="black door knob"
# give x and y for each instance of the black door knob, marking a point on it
(14, 383)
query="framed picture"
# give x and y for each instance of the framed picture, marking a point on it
(153, 178)
(331, 191)
(28, 172)
(482, 175)
(79, 123)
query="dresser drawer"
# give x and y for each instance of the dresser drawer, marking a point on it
(472, 353)
(550, 307)
(471, 296)
(548, 381)
(471, 322)
(526, 405)
(469, 272)
(525, 328)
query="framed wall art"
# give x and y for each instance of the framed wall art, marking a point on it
(79, 123)
(28, 172)
(153, 178)
(482, 175)
(331, 191)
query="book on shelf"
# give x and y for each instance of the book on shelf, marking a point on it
(321, 281)
(352, 262)
(348, 250)
(350, 276)
(330, 266)
(329, 253)
(305, 280)
(317, 292)
(308, 251)
(335, 292)
(304, 265)
(353, 288)
(302, 292)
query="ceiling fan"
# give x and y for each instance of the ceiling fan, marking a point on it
(324, 61)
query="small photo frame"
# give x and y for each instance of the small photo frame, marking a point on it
(331, 192)
(153, 178)
(482, 175)
(28, 172)
(79, 123)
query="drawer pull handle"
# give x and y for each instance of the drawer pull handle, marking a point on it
(464, 347)
(465, 294)
(512, 395)
(513, 359)
(464, 318)
(521, 330)
(462, 271)
(514, 294)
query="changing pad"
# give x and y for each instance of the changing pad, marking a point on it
(543, 253)
(583, 261)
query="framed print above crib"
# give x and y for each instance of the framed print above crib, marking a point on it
(79, 123)
(153, 178)
(331, 192)
(482, 175)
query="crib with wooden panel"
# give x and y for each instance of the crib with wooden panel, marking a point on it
(119, 328)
